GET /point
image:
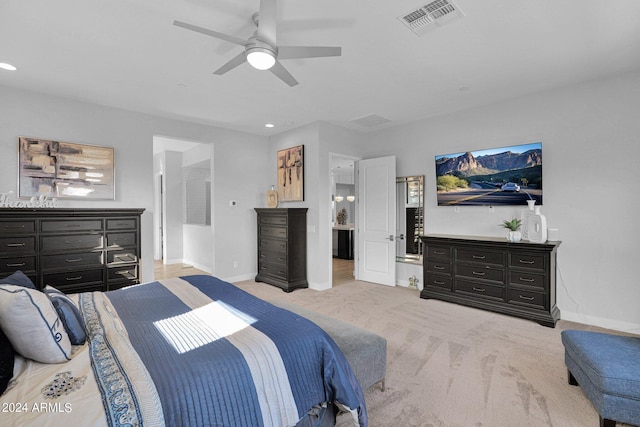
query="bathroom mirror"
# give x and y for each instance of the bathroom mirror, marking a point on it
(410, 218)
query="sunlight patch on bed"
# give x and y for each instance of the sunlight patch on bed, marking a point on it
(202, 326)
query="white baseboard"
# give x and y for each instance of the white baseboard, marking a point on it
(239, 278)
(616, 325)
(204, 268)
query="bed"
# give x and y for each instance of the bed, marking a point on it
(190, 351)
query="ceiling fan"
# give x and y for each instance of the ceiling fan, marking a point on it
(261, 50)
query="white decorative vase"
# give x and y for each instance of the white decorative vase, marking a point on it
(525, 218)
(514, 236)
(537, 227)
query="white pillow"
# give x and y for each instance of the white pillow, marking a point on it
(29, 320)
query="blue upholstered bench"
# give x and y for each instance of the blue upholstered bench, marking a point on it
(607, 368)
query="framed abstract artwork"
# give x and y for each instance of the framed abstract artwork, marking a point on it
(65, 170)
(291, 174)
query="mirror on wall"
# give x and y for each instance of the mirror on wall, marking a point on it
(410, 218)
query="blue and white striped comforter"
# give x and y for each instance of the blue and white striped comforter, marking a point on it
(219, 356)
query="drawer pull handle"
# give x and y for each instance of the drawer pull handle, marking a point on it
(73, 259)
(19, 264)
(524, 261)
(439, 252)
(526, 298)
(478, 273)
(71, 225)
(13, 227)
(15, 245)
(70, 279)
(438, 267)
(527, 279)
(479, 289)
(479, 256)
(72, 242)
(438, 282)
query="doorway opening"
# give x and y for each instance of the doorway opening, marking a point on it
(343, 218)
(183, 202)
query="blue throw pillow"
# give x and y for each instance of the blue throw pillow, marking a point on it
(69, 315)
(18, 279)
(7, 358)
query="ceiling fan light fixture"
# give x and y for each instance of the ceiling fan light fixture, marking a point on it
(260, 58)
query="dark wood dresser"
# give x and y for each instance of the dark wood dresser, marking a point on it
(74, 250)
(517, 279)
(282, 247)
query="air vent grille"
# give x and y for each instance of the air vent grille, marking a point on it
(430, 15)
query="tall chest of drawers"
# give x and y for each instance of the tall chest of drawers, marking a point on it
(517, 279)
(74, 250)
(282, 247)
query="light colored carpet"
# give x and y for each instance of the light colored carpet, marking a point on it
(451, 366)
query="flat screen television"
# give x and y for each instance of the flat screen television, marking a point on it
(503, 176)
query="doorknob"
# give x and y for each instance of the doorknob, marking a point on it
(390, 237)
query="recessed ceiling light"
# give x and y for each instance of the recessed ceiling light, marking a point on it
(269, 125)
(7, 67)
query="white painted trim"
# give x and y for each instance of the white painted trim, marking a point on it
(602, 322)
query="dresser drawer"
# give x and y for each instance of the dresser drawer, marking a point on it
(76, 279)
(480, 272)
(121, 239)
(485, 257)
(67, 261)
(81, 287)
(118, 257)
(273, 219)
(526, 260)
(17, 245)
(527, 279)
(438, 267)
(14, 227)
(439, 282)
(272, 245)
(271, 231)
(123, 273)
(480, 289)
(121, 224)
(24, 263)
(276, 270)
(274, 257)
(71, 242)
(58, 225)
(438, 252)
(527, 298)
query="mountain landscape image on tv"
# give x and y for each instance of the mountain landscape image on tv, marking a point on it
(491, 177)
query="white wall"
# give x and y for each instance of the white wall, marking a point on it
(172, 249)
(589, 135)
(240, 168)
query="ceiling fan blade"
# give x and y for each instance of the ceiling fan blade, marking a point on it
(293, 52)
(267, 21)
(211, 33)
(239, 59)
(283, 74)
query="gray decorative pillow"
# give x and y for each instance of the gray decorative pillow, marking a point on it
(32, 325)
(69, 314)
(18, 279)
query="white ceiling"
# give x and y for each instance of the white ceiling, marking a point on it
(127, 54)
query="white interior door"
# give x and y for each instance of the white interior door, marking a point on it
(377, 220)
